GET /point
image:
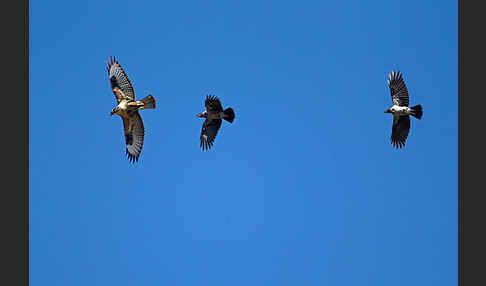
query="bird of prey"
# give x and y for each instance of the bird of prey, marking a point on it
(127, 108)
(214, 114)
(400, 110)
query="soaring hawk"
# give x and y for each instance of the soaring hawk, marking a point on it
(400, 110)
(214, 113)
(127, 108)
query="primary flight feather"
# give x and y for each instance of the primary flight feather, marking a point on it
(400, 110)
(214, 114)
(128, 108)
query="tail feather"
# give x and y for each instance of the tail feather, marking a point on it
(417, 111)
(148, 102)
(229, 115)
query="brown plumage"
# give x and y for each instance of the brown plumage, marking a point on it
(127, 108)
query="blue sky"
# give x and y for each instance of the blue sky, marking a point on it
(304, 188)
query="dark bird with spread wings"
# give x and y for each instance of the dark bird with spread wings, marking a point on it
(400, 110)
(127, 108)
(214, 114)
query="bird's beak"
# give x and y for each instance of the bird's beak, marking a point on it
(111, 113)
(199, 115)
(387, 111)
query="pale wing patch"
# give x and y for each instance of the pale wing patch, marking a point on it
(119, 79)
(119, 94)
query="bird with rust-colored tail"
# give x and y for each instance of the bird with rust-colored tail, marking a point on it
(128, 108)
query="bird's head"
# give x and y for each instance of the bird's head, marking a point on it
(113, 111)
(203, 114)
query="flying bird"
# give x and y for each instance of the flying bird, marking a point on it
(214, 114)
(400, 110)
(127, 108)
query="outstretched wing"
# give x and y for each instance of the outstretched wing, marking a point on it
(401, 127)
(120, 83)
(398, 89)
(134, 134)
(208, 133)
(213, 104)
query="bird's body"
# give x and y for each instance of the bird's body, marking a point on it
(400, 110)
(128, 108)
(122, 108)
(214, 114)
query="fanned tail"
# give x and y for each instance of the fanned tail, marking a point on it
(229, 115)
(148, 102)
(417, 111)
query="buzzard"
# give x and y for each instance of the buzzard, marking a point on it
(214, 113)
(127, 108)
(400, 110)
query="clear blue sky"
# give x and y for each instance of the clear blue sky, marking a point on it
(304, 188)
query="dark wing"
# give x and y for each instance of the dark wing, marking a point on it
(400, 130)
(213, 104)
(120, 83)
(134, 133)
(398, 89)
(208, 133)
